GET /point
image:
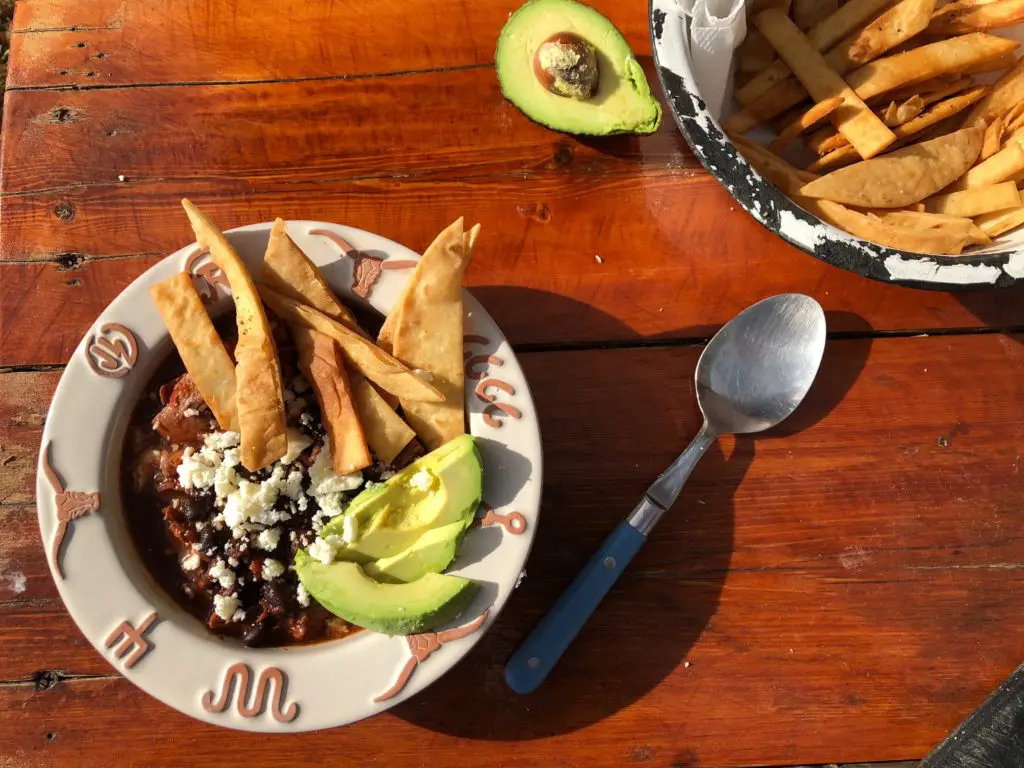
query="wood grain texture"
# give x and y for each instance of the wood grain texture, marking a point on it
(863, 566)
(679, 256)
(299, 131)
(200, 40)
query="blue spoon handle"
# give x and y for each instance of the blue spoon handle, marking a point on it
(536, 657)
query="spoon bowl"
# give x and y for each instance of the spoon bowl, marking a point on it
(758, 368)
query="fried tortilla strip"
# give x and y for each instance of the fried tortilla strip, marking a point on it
(1007, 91)
(1001, 222)
(807, 120)
(973, 202)
(259, 395)
(321, 364)
(951, 20)
(385, 431)
(870, 227)
(428, 333)
(893, 28)
(903, 177)
(824, 140)
(360, 353)
(924, 63)
(930, 91)
(938, 114)
(199, 346)
(854, 120)
(786, 177)
(1004, 164)
(898, 114)
(1013, 120)
(290, 272)
(943, 57)
(823, 36)
(953, 225)
(993, 138)
(807, 13)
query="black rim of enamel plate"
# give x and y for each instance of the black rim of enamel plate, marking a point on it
(769, 206)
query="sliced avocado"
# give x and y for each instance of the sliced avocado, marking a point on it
(545, 62)
(437, 494)
(345, 590)
(430, 553)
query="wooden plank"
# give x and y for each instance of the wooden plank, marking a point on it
(297, 131)
(228, 40)
(24, 400)
(680, 243)
(864, 566)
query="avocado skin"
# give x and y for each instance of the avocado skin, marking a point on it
(625, 106)
(339, 588)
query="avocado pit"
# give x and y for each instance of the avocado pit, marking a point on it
(566, 65)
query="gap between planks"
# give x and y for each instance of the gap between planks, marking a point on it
(255, 81)
(626, 344)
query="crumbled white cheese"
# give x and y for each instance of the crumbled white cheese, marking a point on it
(254, 502)
(319, 521)
(422, 480)
(190, 562)
(224, 575)
(303, 503)
(189, 412)
(299, 383)
(322, 479)
(325, 549)
(331, 504)
(225, 482)
(233, 562)
(387, 474)
(297, 443)
(221, 441)
(228, 607)
(232, 457)
(272, 568)
(194, 471)
(349, 530)
(268, 539)
(302, 595)
(292, 535)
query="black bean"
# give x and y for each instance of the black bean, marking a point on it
(254, 634)
(274, 596)
(193, 509)
(208, 541)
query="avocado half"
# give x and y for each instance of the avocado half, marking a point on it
(622, 102)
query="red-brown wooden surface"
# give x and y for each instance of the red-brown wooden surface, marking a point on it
(845, 590)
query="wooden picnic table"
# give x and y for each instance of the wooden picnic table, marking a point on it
(844, 590)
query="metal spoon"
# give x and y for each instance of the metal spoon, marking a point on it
(752, 375)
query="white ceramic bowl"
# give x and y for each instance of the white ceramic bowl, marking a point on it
(1000, 264)
(163, 649)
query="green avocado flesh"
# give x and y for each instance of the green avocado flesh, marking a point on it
(622, 103)
(343, 588)
(408, 531)
(412, 524)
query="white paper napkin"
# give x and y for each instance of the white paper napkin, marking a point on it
(716, 28)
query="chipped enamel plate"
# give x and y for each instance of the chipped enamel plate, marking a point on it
(164, 650)
(998, 265)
